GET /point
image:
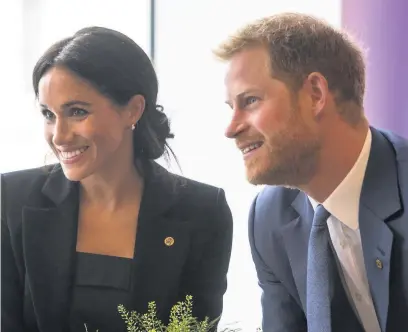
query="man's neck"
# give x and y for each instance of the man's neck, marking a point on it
(340, 152)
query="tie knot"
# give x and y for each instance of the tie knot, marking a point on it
(320, 216)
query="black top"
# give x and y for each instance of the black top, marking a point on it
(39, 216)
(101, 284)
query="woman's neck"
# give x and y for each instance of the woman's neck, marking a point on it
(113, 187)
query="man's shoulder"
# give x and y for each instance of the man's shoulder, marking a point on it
(274, 202)
(399, 143)
(277, 196)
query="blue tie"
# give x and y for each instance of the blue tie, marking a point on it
(318, 274)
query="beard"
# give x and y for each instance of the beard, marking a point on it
(289, 158)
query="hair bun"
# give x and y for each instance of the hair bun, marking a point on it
(161, 123)
(150, 138)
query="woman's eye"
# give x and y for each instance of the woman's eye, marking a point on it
(47, 114)
(79, 112)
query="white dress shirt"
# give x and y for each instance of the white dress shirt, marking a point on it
(343, 224)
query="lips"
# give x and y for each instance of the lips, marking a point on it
(69, 155)
(246, 148)
(251, 147)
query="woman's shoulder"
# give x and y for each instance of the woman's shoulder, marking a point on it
(22, 179)
(196, 189)
(17, 186)
(178, 186)
(198, 199)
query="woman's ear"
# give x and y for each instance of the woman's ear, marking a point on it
(134, 109)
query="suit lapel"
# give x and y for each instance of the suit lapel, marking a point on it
(49, 239)
(296, 238)
(379, 201)
(161, 252)
(163, 240)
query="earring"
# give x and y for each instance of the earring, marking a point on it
(133, 127)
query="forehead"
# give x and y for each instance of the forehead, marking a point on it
(250, 66)
(59, 85)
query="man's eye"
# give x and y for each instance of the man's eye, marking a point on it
(250, 100)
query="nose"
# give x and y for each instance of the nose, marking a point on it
(236, 126)
(61, 132)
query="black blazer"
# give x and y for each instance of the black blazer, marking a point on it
(38, 243)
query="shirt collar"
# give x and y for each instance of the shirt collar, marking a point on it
(344, 201)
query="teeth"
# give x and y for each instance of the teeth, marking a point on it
(251, 147)
(72, 154)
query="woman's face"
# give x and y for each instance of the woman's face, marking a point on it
(86, 131)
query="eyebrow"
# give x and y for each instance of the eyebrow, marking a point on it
(70, 103)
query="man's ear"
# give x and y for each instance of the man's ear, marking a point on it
(317, 87)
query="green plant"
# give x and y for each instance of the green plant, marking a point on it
(181, 319)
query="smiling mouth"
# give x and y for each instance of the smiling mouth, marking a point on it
(68, 155)
(251, 147)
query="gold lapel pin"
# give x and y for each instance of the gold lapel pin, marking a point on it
(169, 241)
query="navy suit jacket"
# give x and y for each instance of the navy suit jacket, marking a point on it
(279, 227)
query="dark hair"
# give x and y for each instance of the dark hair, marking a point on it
(119, 69)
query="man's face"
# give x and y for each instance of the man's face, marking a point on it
(272, 126)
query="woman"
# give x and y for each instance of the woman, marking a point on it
(106, 225)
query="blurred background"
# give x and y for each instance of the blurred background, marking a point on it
(179, 35)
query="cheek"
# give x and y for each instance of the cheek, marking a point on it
(84, 131)
(106, 137)
(271, 118)
(48, 133)
(106, 141)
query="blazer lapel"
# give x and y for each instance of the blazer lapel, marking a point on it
(49, 239)
(379, 201)
(163, 240)
(296, 238)
(161, 252)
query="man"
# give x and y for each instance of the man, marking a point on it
(329, 234)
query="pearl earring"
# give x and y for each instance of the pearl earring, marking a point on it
(133, 127)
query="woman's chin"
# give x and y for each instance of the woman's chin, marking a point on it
(76, 173)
